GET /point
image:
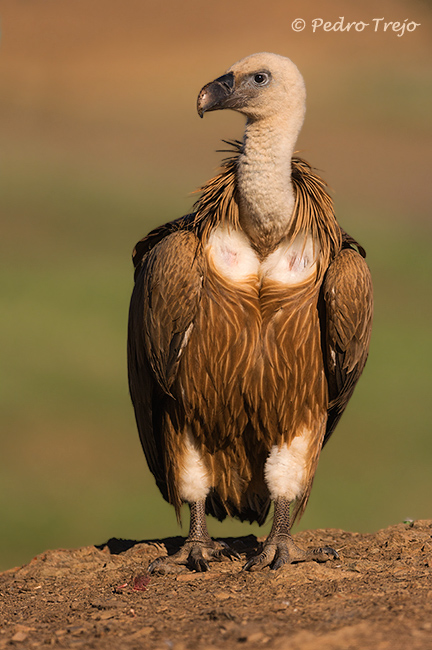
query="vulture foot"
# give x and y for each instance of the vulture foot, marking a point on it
(195, 555)
(280, 549)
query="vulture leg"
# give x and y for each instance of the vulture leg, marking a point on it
(199, 548)
(280, 548)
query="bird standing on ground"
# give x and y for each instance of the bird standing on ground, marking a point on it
(249, 327)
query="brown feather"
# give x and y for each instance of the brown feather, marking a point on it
(244, 366)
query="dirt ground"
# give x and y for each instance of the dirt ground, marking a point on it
(378, 595)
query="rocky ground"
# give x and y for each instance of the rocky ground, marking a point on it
(378, 595)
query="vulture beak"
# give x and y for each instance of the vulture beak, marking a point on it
(215, 94)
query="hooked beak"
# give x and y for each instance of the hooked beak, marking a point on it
(215, 94)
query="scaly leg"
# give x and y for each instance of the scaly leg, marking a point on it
(279, 547)
(199, 548)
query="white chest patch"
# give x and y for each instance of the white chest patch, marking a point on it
(233, 256)
(292, 262)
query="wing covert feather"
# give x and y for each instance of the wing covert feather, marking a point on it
(172, 282)
(347, 323)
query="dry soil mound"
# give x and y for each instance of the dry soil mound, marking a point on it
(379, 595)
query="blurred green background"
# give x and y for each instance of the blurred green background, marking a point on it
(100, 143)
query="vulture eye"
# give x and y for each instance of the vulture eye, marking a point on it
(261, 78)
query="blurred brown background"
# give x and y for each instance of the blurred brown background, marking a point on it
(101, 142)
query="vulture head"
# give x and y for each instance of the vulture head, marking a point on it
(260, 86)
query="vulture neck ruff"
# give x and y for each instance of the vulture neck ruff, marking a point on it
(312, 214)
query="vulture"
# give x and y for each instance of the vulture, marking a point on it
(249, 327)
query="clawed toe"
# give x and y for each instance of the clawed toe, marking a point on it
(195, 555)
(197, 562)
(228, 552)
(263, 559)
(163, 565)
(281, 550)
(324, 553)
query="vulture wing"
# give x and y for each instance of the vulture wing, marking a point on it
(346, 317)
(168, 281)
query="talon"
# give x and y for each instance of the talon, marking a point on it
(201, 566)
(227, 551)
(249, 563)
(278, 563)
(264, 559)
(327, 552)
(152, 566)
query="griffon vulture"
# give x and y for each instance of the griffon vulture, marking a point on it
(249, 327)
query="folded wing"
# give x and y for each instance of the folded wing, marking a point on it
(164, 301)
(346, 319)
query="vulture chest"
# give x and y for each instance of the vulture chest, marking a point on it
(254, 361)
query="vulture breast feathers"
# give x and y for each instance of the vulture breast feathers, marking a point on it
(220, 360)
